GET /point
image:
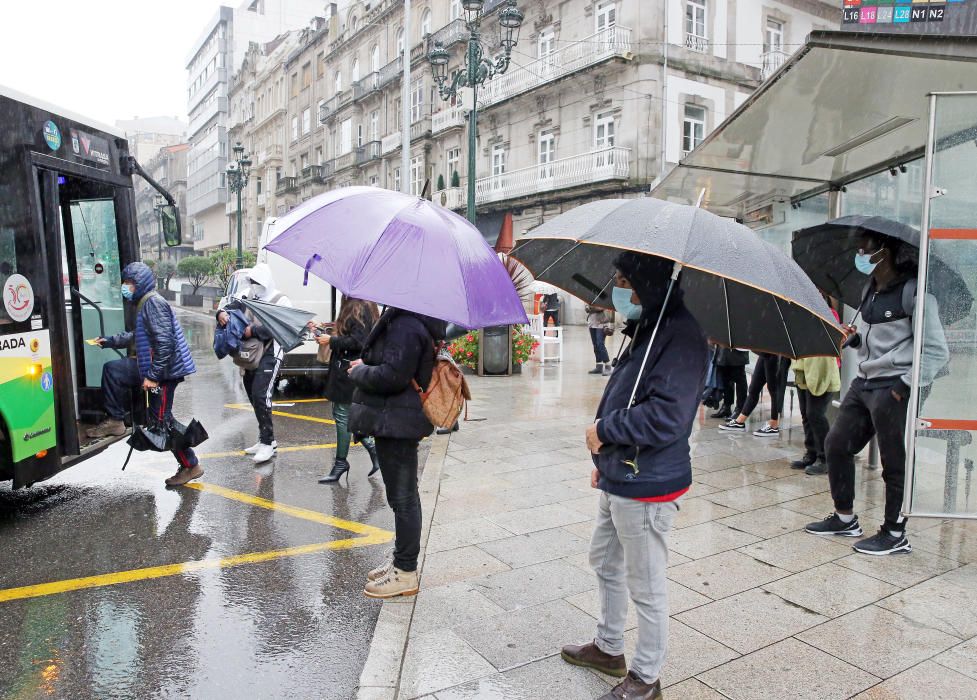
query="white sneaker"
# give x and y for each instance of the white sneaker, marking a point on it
(767, 431)
(264, 453)
(256, 446)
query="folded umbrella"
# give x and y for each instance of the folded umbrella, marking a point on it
(744, 292)
(827, 253)
(401, 251)
(286, 325)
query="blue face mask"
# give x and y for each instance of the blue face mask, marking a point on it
(864, 264)
(126, 292)
(623, 304)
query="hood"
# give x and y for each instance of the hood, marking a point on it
(436, 327)
(261, 274)
(143, 277)
(649, 276)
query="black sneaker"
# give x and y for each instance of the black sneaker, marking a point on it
(804, 462)
(723, 412)
(767, 431)
(883, 543)
(833, 525)
(819, 468)
(732, 426)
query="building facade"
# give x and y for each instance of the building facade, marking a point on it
(169, 168)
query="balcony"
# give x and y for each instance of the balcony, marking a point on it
(286, 185)
(391, 71)
(451, 198)
(345, 161)
(310, 174)
(390, 142)
(449, 118)
(450, 34)
(694, 42)
(272, 153)
(368, 152)
(606, 44)
(366, 86)
(576, 171)
(770, 62)
(203, 116)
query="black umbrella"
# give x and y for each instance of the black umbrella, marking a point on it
(744, 291)
(827, 253)
(287, 325)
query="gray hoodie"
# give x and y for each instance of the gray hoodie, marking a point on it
(885, 355)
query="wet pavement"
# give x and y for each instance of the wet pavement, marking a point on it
(248, 585)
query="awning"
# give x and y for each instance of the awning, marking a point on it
(844, 106)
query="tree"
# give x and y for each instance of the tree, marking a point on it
(150, 263)
(455, 180)
(164, 273)
(197, 269)
(225, 263)
(440, 182)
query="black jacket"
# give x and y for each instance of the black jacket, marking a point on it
(729, 357)
(346, 348)
(398, 350)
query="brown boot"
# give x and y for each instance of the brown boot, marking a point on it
(590, 656)
(379, 572)
(394, 583)
(633, 688)
(184, 475)
(110, 427)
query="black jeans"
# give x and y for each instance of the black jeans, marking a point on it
(863, 414)
(260, 384)
(733, 380)
(554, 314)
(814, 418)
(598, 339)
(765, 373)
(398, 466)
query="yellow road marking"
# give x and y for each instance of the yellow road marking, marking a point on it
(296, 416)
(369, 536)
(240, 453)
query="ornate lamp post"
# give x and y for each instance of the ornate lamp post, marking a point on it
(238, 171)
(158, 203)
(477, 70)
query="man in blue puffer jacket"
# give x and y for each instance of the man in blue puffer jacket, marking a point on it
(162, 361)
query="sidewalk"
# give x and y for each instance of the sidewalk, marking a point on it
(759, 609)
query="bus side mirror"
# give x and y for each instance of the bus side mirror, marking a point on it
(169, 217)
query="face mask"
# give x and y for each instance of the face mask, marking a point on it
(623, 304)
(126, 292)
(864, 264)
(258, 289)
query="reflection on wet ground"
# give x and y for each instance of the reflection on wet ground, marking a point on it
(295, 626)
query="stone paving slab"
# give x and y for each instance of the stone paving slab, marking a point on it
(760, 609)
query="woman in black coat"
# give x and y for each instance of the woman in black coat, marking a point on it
(398, 357)
(356, 320)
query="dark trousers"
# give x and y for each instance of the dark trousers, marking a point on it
(554, 314)
(814, 418)
(398, 466)
(733, 380)
(120, 378)
(765, 373)
(863, 414)
(599, 341)
(260, 384)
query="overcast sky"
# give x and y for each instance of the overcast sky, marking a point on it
(106, 59)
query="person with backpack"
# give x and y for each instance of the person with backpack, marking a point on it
(876, 402)
(161, 363)
(356, 319)
(260, 359)
(601, 326)
(397, 364)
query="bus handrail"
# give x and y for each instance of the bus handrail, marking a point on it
(101, 316)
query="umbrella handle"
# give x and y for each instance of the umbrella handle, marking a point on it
(308, 265)
(671, 285)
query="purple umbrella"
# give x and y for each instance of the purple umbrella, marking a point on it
(400, 251)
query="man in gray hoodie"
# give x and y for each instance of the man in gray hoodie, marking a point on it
(876, 403)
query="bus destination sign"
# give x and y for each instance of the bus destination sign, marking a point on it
(948, 17)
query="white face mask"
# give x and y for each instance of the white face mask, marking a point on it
(258, 289)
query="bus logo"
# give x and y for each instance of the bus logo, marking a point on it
(52, 135)
(18, 298)
(35, 344)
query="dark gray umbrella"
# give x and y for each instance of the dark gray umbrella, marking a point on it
(744, 291)
(286, 324)
(827, 253)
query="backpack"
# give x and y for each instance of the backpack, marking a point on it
(446, 394)
(251, 350)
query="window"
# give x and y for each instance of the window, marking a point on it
(693, 127)
(546, 48)
(426, 23)
(345, 137)
(295, 128)
(305, 161)
(354, 75)
(318, 156)
(375, 125)
(295, 84)
(306, 75)
(257, 185)
(417, 175)
(375, 59)
(400, 41)
(359, 135)
(455, 9)
(318, 109)
(546, 154)
(306, 120)
(397, 179)
(374, 181)
(417, 101)
(498, 166)
(352, 24)
(338, 82)
(603, 131)
(606, 14)
(453, 157)
(773, 38)
(696, 37)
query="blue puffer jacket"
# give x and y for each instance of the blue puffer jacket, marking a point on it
(161, 347)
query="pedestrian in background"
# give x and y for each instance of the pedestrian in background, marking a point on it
(353, 326)
(601, 326)
(551, 309)
(731, 365)
(766, 373)
(817, 379)
(398, 354)
(643, 466)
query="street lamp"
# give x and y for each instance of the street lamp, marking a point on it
(477, 70)
(238, 171)
(158, 203)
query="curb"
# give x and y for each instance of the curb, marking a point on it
(380, 679)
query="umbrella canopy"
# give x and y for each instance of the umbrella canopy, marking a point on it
(745, 292)
(400, 251)
(827, 253)
(286, 324)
